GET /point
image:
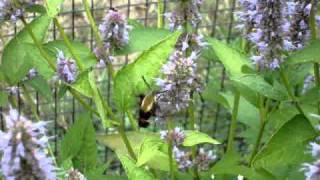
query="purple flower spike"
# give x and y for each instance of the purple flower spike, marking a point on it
(24, 150)
(185, 12)
(176, 136)
(67, 68)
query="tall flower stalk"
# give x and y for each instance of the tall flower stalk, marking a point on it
(179, 81)
(24, 149)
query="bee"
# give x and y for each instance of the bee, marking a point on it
(148, 106)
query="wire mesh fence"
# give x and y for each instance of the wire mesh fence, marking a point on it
(218, 21)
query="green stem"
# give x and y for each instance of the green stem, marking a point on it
(160, 13)
(30, 101)
(257, 144)
(170, 150)
(263, 115)
(121, 129)
(69, 45)
(233, 124)
(314, 34)
(92, 23)
(192, 124)
(292, 96)
(133, 121)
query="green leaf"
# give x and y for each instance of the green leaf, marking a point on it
(287, 145)
(41, 86)
(230, 164)
(133, 171)
(79, 144)
(309, 54)
(36, 8)
(53, 7)
(87, 156)
(142, 39)
(114, 141)
(15, 65)
(195, 137)
(257, 84)
(232, 60)
(3, 98)
(150, 154)
(82, 51)
(128, 81)
(82, 85)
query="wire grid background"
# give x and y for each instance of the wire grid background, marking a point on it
(218, 21)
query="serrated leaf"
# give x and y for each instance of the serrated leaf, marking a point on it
(230, 165)
(79, 144)
(142, 39)
(14, 65)
(232, 60)
(53, 7)
(309, 54)
(82, 85)
(257, 84)
(195, 137)
(129, 82)
(150, 154)
(86, 158)
(132, 170)
(114, 141)
(41, 86)
(287, 145)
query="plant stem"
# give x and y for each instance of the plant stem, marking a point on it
(30, 101)
(314, 37)
(160, 13)
(233, 124)
(69, 45)
(121, 129)
(263, 115)
(170, 149)
(192, 124)
(292, 96)
(92, 23)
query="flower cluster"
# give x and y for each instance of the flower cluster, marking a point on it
(265, 21)
(185, 12)
(23, 149)
(176, 136)
(297, 28)
(12, 11)
(66, 68)
(273, 26)
(115, 34)
(183, 159)
(32, 73)
(312, 170)
(308, 83)
(179, 76)
(202, 161)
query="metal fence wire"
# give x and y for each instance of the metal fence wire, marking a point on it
(218, 21)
